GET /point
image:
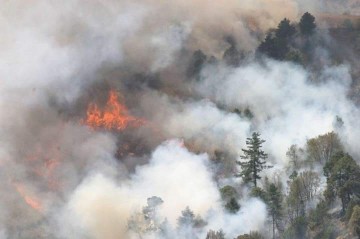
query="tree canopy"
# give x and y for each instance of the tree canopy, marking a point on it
(274, 201)
(254, 159)
(343, 179)
(307, 24)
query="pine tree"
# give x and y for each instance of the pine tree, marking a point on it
(232, 206)
(307, 24)
(274, 199)
(255, 157)
(215, 235)
(187, 218)
(343, 179)
(285, 30)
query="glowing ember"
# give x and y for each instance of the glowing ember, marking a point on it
(114, 116)
(30, 200)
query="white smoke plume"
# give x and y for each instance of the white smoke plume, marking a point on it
(288, 106)
(102, 206)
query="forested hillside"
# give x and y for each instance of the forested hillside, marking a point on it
(182, 119)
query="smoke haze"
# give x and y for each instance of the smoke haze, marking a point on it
(63, 179)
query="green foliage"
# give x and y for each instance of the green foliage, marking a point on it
(355, 220)
(284, 43)
(329, 193)
(255, 159)
(269, 47)
(293, 175)
(343, 179)
(285, 30)
(248, 114)
(276, 43)
(227, 192)
(252, 235)
(229, 195)
(274, 203)
(323, 147)
(232, 206)
(297, 229)
(295, 154)
(189, 223)
(215, 234)
(303, 189)
(327, 232)
(188, 219)
(295, 56)
(199, 222)
(274, 199)
(307, 24)
(318, 215)
(349, 210)
(147, 220)
(259, 193)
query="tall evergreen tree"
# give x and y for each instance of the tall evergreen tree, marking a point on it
(255, 159)
(307, 24)
(343, 179)
(269, 47)
(274, 200)
(285, 30)
(277, 41)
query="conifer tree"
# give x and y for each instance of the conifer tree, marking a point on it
(274, 199)
(307, 24)
(254, 159)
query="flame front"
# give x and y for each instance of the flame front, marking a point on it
(114, 116)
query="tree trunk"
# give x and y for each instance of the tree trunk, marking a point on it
(273, 219)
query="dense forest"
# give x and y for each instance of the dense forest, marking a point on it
(180, 119)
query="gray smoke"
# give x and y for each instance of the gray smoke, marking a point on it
(62, 179)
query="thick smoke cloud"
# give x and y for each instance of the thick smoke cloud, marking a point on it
(103, 207)
(199, 122)
(61, 179)
(332, 6)
(288, 106)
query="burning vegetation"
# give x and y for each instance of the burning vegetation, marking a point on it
(114, 116)
(234, 119)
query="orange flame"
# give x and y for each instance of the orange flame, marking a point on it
(114, 116)
(30, 200)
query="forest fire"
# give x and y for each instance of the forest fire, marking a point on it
(32, 201)
(115, 116)
(131, 119)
